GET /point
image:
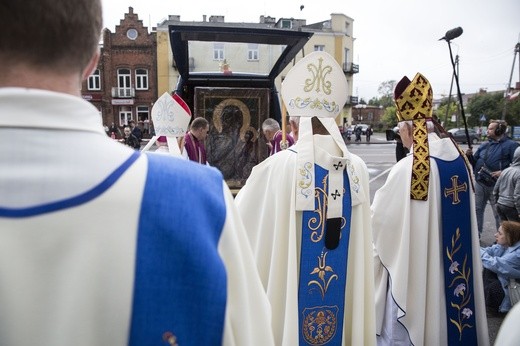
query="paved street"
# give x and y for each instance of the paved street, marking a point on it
(379, 156)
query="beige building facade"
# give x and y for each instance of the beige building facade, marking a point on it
(334, 35)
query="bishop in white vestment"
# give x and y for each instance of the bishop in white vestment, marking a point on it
(426, 251)
(306, 211)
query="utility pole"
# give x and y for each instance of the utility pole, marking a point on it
(508, 91)
(450, 35)
(451, 88)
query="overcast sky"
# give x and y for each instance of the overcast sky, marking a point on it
(394, 38)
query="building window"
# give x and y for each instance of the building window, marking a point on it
(143, 113)
(286, 24)
(141, 79)
(125, 115)
(319, 48)
(124, 86)
(218, 51)
(131, 34)
(346, 56)
(94, 80)
(252, 51)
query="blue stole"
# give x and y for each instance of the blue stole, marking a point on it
(180, 281)
(457, 252)
(323, 272)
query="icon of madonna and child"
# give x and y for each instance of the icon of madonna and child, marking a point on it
(233, 145)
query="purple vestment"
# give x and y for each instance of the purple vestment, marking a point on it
(277, 139)
(195, 149)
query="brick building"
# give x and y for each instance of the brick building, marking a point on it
(124, 86)
(368, 114)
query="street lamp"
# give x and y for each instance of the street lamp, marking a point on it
(360, 107)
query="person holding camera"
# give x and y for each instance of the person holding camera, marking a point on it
(400, 150)
(490, 159)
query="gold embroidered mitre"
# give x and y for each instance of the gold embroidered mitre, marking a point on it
(413, 100)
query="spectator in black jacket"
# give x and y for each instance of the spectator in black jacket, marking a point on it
(136, 131)
(130, 139)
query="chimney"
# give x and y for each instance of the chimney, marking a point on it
(216, 19)
(204, 18)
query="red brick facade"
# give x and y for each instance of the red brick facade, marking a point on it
(124, 87)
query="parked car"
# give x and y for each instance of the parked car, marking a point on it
(459, 135)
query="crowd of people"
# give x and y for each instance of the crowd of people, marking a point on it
(104, 245)
(496, 175)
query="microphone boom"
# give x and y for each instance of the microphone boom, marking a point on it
(452, 34)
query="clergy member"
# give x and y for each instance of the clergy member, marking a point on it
(273, 136)
(307, 214)
(169, 130)
(194, 141)
(426, 250)
(101, 244)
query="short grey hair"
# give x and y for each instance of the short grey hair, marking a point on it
(270, 124)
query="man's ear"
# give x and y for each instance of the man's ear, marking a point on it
(91, 66)
(405, 129)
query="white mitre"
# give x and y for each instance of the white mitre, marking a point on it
(171, 117)
(316, 87)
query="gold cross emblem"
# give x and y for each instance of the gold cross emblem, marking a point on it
(455, 189)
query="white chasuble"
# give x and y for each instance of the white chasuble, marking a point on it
(267, 205)
(408, 258)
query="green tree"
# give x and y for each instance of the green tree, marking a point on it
(385, 101)
(386, 90)
(512, 108)
(445, 111)
(389, 119)
(489, 104)
(374, 101)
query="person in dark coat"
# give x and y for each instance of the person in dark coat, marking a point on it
(130, 139)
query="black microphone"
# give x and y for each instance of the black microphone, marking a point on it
(451, 34)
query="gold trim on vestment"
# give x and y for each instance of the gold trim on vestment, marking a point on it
(413, 102)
